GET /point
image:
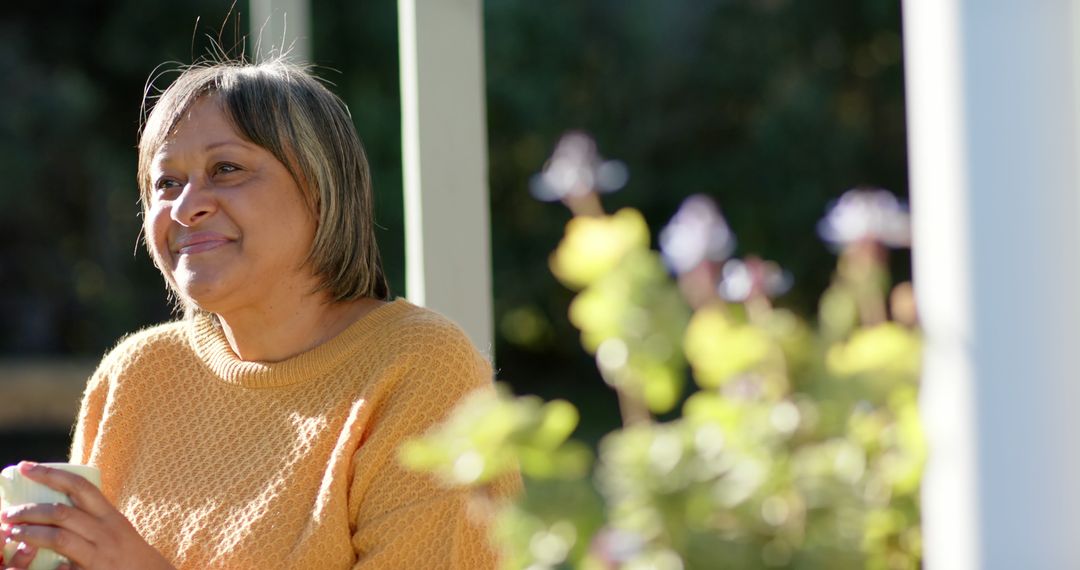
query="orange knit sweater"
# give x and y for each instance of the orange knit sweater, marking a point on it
(221, 463)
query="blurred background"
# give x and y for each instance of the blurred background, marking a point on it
(772, 107)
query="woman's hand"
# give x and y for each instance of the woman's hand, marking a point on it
(92, 534)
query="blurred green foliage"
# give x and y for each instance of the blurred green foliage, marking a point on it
(773, 107)
(800, 448)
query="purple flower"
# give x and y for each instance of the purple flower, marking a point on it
(867, 214)
(575, 169)
(697, 232)
(741, 280)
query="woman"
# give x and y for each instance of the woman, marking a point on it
(261, 430)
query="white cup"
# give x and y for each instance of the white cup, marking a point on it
(18, 490)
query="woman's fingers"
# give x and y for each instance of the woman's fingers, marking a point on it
(22, 558)
(61, 540)
(58, 527)
(58, 515)
(91, 533)
(82, 492)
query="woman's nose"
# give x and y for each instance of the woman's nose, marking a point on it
(194, 203)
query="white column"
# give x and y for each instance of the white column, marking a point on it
(281, 25)
(992, 116)
(444, 148)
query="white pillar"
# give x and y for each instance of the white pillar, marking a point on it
(444, 148)
(281, 25)
(992, 116)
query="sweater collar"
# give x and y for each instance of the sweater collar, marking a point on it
(212, 348)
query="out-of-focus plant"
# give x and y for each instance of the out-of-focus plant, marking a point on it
(801, 445)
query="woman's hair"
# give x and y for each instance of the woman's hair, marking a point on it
(284, 109)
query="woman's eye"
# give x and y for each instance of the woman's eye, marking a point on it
(225, 168)
(166, 183)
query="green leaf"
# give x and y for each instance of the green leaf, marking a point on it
(559, 418)
(594, 246)
(718, 348)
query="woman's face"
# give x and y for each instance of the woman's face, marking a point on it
(226, 221)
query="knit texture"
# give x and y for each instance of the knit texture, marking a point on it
(222, 463)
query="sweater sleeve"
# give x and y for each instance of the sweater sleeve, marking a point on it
(404, 519)
(91, 412)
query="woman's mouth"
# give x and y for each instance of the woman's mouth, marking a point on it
(198, 243)
(201, 247)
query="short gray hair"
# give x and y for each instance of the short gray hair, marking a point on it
(283, 108)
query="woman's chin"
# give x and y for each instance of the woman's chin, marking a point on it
(209, 297)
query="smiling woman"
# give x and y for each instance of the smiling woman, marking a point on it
(223, 213)
(261, 430)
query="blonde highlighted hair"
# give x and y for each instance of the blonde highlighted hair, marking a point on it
(284, 109)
